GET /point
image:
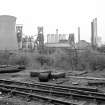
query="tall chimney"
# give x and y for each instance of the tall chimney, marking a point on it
(78, 34)
(94, 32)
(56, 36)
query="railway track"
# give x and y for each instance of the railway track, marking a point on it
(48, 85)
(54, 93)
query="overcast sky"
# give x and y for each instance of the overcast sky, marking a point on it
(66, 15)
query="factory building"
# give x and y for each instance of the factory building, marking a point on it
(62, 37)
(60, 40)
(8, 39)
(53, 38)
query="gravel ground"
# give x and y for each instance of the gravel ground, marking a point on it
(25, 76)
(17, 101)
(11, 101)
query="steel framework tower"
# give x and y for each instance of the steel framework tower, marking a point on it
(40, 40)
(19, 29)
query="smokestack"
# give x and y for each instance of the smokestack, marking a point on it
(78, 34)
(57, 31)
(57, 36)
(47, 38)
(94, 32)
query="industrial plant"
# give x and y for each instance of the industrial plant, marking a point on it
(56, 71)
(55, 39)
(11, 36)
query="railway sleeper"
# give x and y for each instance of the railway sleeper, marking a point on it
(48, 85)
(60, 90)
(76, 96)
(93, 94)
(31, 96)
(47, 98)
(18, 92)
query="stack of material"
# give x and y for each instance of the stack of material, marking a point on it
(58, 75)
(99, 67)
(11, 69)
(44, 77)
(96, 83)
(36, 73)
